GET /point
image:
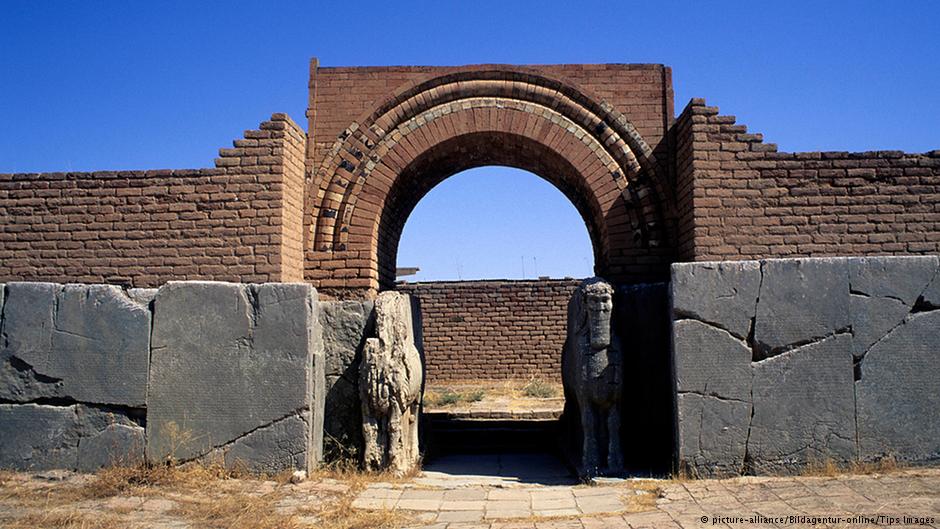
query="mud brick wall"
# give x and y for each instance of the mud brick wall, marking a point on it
(493, 329)
(240, 221)
(738, 198)
(784, 363)
(339, 95)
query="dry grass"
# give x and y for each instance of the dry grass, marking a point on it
(65, 520)
(830, 468)
(203, 495)
(517, 394)
(645, 500)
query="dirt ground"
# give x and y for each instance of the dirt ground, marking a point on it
(208, 497)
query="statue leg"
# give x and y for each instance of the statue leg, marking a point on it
(415, 451)
(396, 448)
(589, 446)
(614, 450)
(371, 454)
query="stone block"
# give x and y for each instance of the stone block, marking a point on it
(712, 434)
(75, 437)
(804, 407)
(87, 343)
(230, 360)
(345, 324)
(710, 361)
(883, 290)
(722, 294)
(899, 392)
(801, 301)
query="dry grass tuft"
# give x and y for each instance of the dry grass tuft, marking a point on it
(642, 496)
(236, 511)
(64, 520)
(830, 468)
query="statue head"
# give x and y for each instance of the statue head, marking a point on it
(596, 303)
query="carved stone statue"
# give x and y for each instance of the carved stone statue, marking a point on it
(592, 374)
(390, 381)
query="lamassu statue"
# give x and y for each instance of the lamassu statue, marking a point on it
(592, 364)
(390, 381)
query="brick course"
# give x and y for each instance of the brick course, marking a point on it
(329, 209)
(238, 222)
(493, 329)
(741, 199)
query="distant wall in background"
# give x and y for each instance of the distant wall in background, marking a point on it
(493, 329)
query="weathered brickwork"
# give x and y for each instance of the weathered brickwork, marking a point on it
(378, 149)
(493, 329)
(741, 199)
(239, 221)
(329, 207)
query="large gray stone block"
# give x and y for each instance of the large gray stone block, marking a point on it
(899, 392)
(710, 361)
(230, 360)
(75, 437)
(345, 324)
(804, 407)
(883, 291)
(88, 343)
(722, 294)
(712, 434)
(931, 295)
(801, 301)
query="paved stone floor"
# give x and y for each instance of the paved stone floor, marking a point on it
(482, 492)
(535, 492)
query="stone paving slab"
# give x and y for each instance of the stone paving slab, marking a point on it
(755, 501)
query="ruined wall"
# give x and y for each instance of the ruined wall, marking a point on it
(94, 375)
(738, 198)
(493, 329)
(785, 363)
(238, 222)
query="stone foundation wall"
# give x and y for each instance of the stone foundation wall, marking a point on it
(785, 363)
(493, 329)
(93, 375)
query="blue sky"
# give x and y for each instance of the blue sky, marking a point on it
(137, 85)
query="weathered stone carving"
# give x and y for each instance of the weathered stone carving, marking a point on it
(390, 380)
(592, 374)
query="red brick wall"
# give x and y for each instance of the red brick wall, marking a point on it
(594, 131)
(493, 329)
(750, 201)
(339, 95)
(237, 222)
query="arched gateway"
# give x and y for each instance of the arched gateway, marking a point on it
(363, 185)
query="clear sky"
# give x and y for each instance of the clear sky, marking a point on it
(138, 85)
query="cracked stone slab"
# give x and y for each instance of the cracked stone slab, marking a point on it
(931, 295)
(804, 407)
(801, 300)
(712, 434)
(900, 278)
(721, 293)
(710, 361)
(88, 343)
(75, 437)
(267, 449)
(229, 359)
(883, 291)
(899, 393)
(345, 326)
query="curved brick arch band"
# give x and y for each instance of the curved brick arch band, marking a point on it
(367, 183)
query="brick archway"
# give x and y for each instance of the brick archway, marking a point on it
(385, 162)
